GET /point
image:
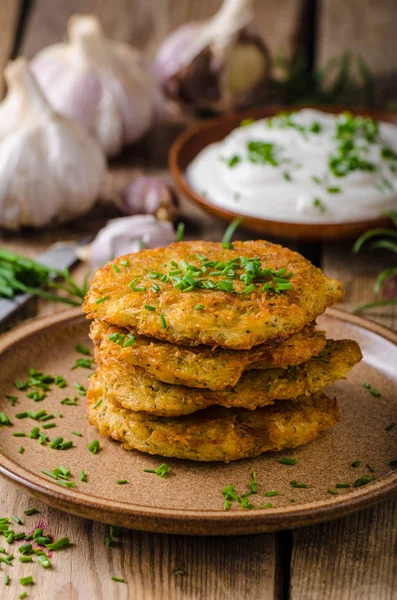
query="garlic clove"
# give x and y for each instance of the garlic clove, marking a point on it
(105, 86)
(126, 235)
(50, 169)
(150, 195)
(215, 64)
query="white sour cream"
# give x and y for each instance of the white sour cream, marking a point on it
(281, 169)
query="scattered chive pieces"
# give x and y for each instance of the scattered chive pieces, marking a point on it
(115, 269)
(82, 349)
(83, 476)
(178, 571)
(62, 543)
(180, 232)
(372, 390)
(199, 307)
(21, 415)
(115, 531)
(12, 399)
(268, 505)
(150, 308)
(4, 420)
(295, 484)
(98, 403)
(56, 442)
(19, 536)
(109, 541)
(46, 472)
(390, 427)
(25, 559)
(26, 580)
(100, 300)
(21, 450)
(125, 263)
(333, 492)
(149, 471)
(19, 434)
(122, 481)
(94, 447)
(342, 485)
(363, 480)
(17, 520)
(7, 580)
(77, 433)
(84, 363)
(30, 511)
(162, 470)
(285, 460)
(25, 548)
(119, 579)
(370, 468)
(66, 445)
(44, 561)
(271, 493)
(22, 596)
(356, 463)
(49, 425)
(162, 321)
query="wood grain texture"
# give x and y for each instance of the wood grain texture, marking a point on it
(232, 568)
(145, 23)
(350, 559)
(366, 28)
(9, 11)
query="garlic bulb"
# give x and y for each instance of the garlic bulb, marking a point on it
(103, 85)
(127, 235)
(50, 169)
(215, 64)
(150, 195)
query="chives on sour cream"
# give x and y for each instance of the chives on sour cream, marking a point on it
(303, 167)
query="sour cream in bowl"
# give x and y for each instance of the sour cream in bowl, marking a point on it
(306, 166)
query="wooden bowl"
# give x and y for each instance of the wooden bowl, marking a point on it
(186, 147)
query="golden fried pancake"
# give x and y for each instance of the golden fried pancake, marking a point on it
(201, 366)
(138, 391)
(195, 293)
(214, 434)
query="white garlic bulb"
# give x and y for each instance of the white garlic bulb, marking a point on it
(127, 235)
(105, 86)
(216, 64)
(50, 169)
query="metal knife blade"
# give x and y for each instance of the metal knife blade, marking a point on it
(58, 256)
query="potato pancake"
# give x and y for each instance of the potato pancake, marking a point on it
(138, 391)
(194, 293)
(214, 434)
(202, 366)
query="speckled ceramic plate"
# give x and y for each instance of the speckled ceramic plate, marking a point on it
(189, 500)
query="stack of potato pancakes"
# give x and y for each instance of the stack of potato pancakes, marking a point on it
(209, 351)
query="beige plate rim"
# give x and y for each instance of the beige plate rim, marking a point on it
(184, 521)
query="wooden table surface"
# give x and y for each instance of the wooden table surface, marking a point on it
(349, 559)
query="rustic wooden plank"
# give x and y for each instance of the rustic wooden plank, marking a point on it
(232, 568)
(358, 274)
(350, 559)
(145, 23)
(367, 29)
(9, 12)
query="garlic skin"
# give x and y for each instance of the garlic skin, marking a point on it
(50, 169)
(105, 86)
(151, 196)
(216, 64)
(126, 235)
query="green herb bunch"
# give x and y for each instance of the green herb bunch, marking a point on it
(19, 274)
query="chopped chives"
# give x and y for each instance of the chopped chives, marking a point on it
(17, 520)
(22, 596)
(26, 580)
(271, 493)
(155, 288)
(370, 468)
(356, 463)
(178, 571)
(268, 505)
(231, 230)
(115, 269)
(7, 580)
(12, 399)
(122, 481)
(199, 307)
(363, 480)
(333, 492)
(25, 559)
(56, 442)
(94, 447)
(295, 484)
(44, 561)
(98, 403)
(30, 511)
(77, 433)
(83, 477)
(285, 460)
(21, 415)
(48, 425)
(82, 349)
(180, 232)
(118, 579)
(4, 420)
(150, 308)
(46, 472)
(342, 485)
(162, 321)
(66, 445)
(25, 548)
(100, 300)
(19, 536)
(19, 434)
(62, 543)
(21, 450)
(390, 427)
